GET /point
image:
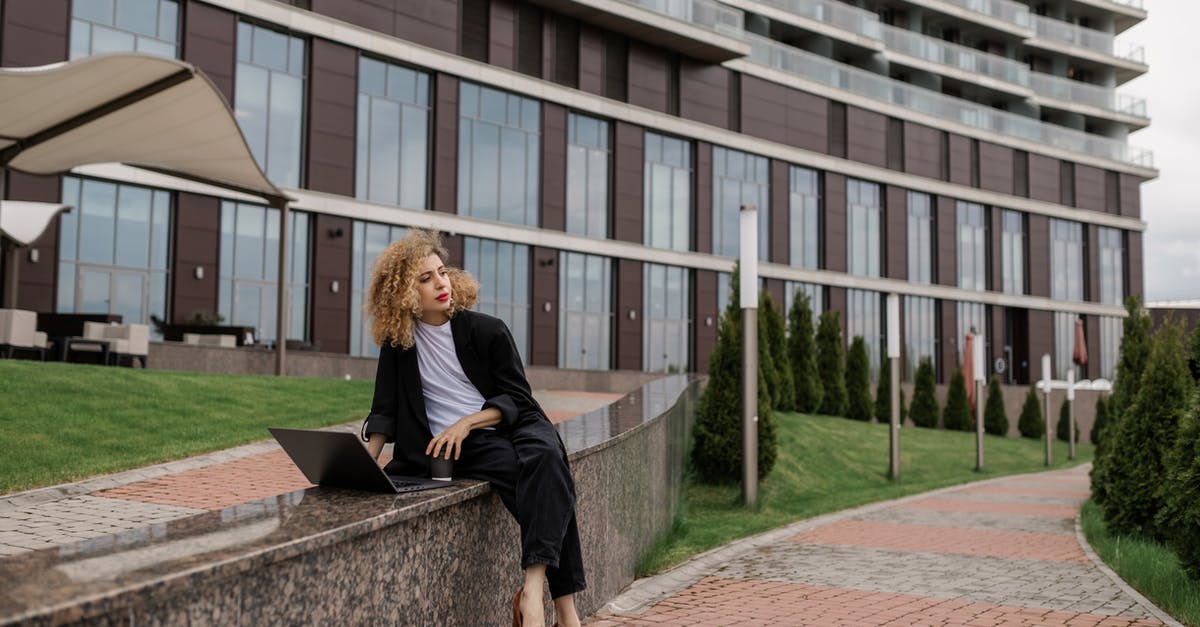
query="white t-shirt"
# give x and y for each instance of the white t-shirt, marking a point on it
(449, 394)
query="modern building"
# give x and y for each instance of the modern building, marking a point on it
(587, 159)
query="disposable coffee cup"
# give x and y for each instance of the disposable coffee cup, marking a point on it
(440, 468)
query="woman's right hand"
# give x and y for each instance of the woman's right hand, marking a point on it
(375, 445)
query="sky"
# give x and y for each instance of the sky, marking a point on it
(1171, 203)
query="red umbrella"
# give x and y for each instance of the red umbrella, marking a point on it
(1080, 354)
(968, 367)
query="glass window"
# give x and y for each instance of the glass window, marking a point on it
(585, 312)
(864, 316)
(1064, 344)
(667, 195)
(588, 159)
(149, 26)
(369, 240)
(972, 318)
(1012, 251)
(863, 214)
(666, 319)
(269, 99)
(392, 160)
(816, 298)
(739, 179)
(1112, 265)
(113, 250)
(499, 152)
(1066, 260)
(250, 269)
(972, 246)
(920, 334)
(502, 269)
(804, 219)
(920, 238)
(1111, 331)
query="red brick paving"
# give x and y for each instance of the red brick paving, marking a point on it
(1081, 493)
(719, 601)
(991, 507)
(220, 486)
(951, 540)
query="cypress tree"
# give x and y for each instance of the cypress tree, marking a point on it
(858, 381)
(829, 364)
(1063, 429)
(956, 415)
(1030, 423)
(1194, 354)
(903, 408)
(924, 408)
(883, 394)
(802, 353)
(717, 445)
(772, 322)
(995, 419)
(766, 359)
(1179, 518)
(1100, 421)
(1135, 471)
(1131, 361)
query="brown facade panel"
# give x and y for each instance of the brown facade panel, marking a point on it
(502, 34)
(445, 144)
(706, 318)
(866, 136)
(210, 43)
(996, 168)
(629, 325)
(704, 197)
(34, 32)
(649, 75)
(332, 255)
(554, 167)
(197, 244)
(703, 93)
(544, 291)
(948, 347)
(37, 282)
(1092, 234)
(922, 150)
(946, 247)
(591, 60)
(1041, 342)
(995, 233)
(454, 245)
(376, 16)
(627, 182)
(834, 224)
(764, 104)
(1136, 280)
(1044, 181)
(775, 288)
(896, 233)
(333, 85)
(995, 342)
(960, 161)
(1038, 255)
(837, 302)
(780, 244)
(432, 23)
(1089, 188)
(1092, 337)
(1131, 196)
(807, 120)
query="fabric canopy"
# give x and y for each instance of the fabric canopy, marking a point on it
(24, 222)
(141, 110)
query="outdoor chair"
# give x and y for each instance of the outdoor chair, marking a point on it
(18, 332)
(223, 340)
(124, 340)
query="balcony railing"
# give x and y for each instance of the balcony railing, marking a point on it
(834, 13)
(816, 68)
(1000, 9)
(1093, 40)
(954, 55)
(704, 13)
(1109, 99)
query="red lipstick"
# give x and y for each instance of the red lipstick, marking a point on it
(441, 298)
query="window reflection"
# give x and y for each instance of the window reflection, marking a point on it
(588, 158)
(392, 147)
(503, 270)
(369, 239)
(1012, 251)
(1066, 260)
(249, 269)
(864, 316)
(920, 238)
(972, 246)
(585, 311)
(269, 99)
(804, 206)
(920, 334)
(149, 26)
(666, 318)
(499, 155)
(667, 192)
(1112, 265)
(864, 210)
(739, 179)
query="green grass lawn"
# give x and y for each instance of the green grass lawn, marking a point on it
(1148, 566)
(62, 422)
(826, 464)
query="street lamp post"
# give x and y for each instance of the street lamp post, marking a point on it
(978, 363)
(1046, 401)
(1071, 411)
(748, 297)
(893, 346)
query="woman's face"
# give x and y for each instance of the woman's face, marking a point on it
(433, 288)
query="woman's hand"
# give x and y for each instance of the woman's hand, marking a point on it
(450, 439)
(375, 444)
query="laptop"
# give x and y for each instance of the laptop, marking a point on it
(338, 459)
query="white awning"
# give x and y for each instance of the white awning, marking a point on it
(23, 222)
(152, 112)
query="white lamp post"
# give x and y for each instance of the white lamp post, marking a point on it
(748, 298)
(978, 362)
(1071, 411)
(893, 348)
(1046, 400)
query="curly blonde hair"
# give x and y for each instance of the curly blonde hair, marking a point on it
(392, 299)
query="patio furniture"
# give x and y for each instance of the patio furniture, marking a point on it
(123, 340)
(199, 339)
(242, 335)
(18, 332)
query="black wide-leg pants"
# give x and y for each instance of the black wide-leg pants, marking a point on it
(527, 467)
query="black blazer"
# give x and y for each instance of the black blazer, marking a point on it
(489, 358)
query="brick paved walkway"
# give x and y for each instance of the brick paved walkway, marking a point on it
(1000, 552)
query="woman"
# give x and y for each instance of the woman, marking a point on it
(450, 383)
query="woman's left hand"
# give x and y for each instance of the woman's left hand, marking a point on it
(449, 440)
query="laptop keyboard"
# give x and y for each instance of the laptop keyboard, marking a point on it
(406, 486)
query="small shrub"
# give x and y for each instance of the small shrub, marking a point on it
(995, 419)
(829, 364)
(1099, 422)
(858, 381)
(956, 415)
(1179, 518)
(773, 341)
(883, 394)
(1030, 423)
(1062, 430)
(1131, 361)
(924, 408)
(802, 353)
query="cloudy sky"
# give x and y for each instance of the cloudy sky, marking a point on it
(1171, 203)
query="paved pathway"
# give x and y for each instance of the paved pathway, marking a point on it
(103, 508)
(999, 552)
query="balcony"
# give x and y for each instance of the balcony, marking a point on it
(702, 29)
(811, 67)
(1077, 93)
(834, 15)
(963, 58)
(1004, 15)
(1092, 43)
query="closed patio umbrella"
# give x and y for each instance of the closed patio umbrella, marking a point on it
(1079, 356)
